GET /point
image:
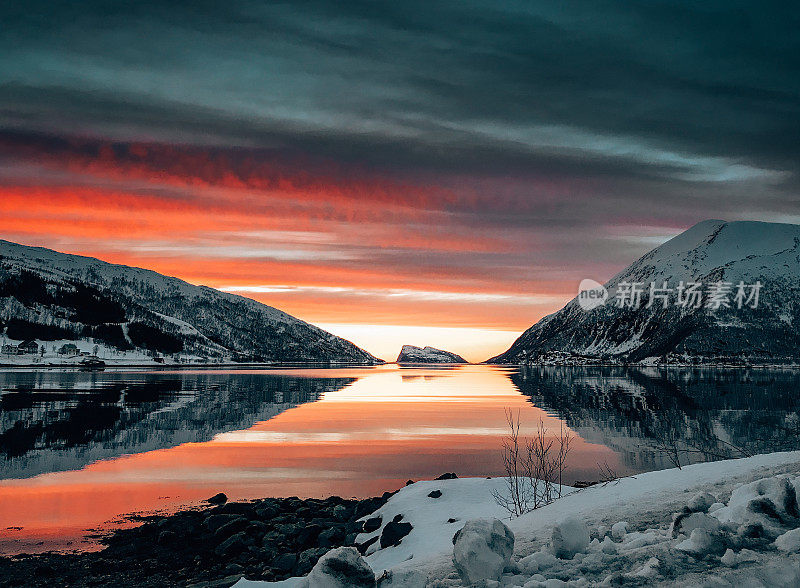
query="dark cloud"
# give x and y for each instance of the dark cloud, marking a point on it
(549, 125)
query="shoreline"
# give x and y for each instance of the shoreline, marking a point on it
(630, 524)
(335, 365)
(206, 545)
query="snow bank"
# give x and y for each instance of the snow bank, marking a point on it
(642, 549)
(434, 520)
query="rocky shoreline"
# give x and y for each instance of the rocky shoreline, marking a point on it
(214, 545)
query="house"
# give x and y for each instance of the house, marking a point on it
(69, 349)
(9, 350)
(27, 347)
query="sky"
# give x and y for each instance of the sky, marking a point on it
(397, 172)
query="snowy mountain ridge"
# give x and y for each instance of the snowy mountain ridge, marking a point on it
(709, 253)
(49, 295)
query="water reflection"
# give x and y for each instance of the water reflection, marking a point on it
(63, 420)
(80, 449)
(653, 417)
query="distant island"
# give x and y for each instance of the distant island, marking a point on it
(412, 354)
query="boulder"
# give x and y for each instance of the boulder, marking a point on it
(341, 568)
(167, 537)
(331, 537)
(447, 476)
(482, 549)
(285, 562)
(308, 559)
(393, 533)
(220, 498)
(215, 521)
(570, 536)
(435, 494)
(233, 545)
(372, 524)
(233, 526)
(362, 547)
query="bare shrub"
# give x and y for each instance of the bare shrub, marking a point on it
(534, 477)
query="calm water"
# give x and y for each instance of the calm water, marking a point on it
(80, 450)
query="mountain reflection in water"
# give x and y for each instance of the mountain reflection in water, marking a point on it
(653, 417)
(79, 449)
(63, 420)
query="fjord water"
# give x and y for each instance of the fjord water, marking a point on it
(80, 450)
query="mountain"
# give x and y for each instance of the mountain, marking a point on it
(51, 296)
(412, 354)
(717, 254)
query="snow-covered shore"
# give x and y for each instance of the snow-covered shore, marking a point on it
(735, 544)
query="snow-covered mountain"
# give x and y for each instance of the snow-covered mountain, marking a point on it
(717, 255)
(50, 296)
(412, 354)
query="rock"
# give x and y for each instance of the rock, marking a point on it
(214, 522)
(285, 562)
(409, 482)
(789, 542)
(372, 524)
(271, 540)
(570, 536)
(341, 568)
(233, 526)
(482, 549)
(237, 508)
(341, 512)
(619, 530)
(447, 476)
(701, 502)
(308, 559)
(715, 507)
(167, 537)
(331, 537)
(309, 535)
(686, 522)
(362, 547)
(370, 505)
(220, 498)
(435, 494)
(257, 528)
(393, 533)
(232, 545)
(267, 512)
(702, 543)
